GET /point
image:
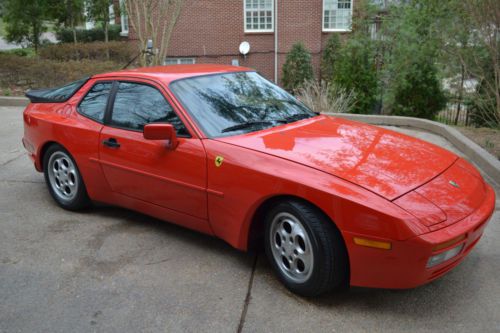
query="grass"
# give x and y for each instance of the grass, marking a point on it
(2, 28)
(22, 52)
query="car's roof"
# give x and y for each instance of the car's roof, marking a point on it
(170, 73)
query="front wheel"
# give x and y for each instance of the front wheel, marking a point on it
(305, 249)
(63, 179)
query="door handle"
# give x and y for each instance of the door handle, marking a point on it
(111, 142)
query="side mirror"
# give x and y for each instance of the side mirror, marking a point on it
(161, 132)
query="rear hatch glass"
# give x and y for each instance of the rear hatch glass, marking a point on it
(57, 94)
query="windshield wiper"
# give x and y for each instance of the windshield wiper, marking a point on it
(245, 125)
(296, 117)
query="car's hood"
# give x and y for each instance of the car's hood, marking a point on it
(382, 161)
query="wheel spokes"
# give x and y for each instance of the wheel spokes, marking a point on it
(291, 246)
(63, 176)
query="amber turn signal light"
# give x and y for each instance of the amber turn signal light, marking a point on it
(372, 243)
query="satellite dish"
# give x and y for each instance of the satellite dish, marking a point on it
(244, 48)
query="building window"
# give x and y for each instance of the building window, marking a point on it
(123, 19)
(337, 15)
(259, 15)
(179, 61)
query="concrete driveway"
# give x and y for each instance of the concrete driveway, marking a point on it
(112, 270)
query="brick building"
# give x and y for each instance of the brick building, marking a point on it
(210, 31)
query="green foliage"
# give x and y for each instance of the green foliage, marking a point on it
(98, 10)
(2, 27)
(410, 50)
(329, 56)
(25, 52)
(65, 35)
(6, 92)
(120, 52)
(25, 21)
(355, 71)
(418, 93)
(352, 67)
(67, 13)
(297, 68)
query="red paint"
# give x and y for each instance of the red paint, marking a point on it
(161, 132)
(371, 182)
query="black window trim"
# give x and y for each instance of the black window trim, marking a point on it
(107, 102)
(111, 103)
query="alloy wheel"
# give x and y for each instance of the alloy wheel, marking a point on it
(291, 247)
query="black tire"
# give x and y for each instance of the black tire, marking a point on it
(78, 199)
(330, 267)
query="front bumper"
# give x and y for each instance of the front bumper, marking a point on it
(404, 266)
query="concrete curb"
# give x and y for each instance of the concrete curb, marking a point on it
(487, 162)
(13, 101)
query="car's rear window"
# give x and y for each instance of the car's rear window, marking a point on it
(57, 94)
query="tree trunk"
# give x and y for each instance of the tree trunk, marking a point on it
(36, 37)
(70, 13)
(460, 93)
(73, 27)
(106, 37)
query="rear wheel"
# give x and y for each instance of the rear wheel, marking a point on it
(305, 249)
(63, 179)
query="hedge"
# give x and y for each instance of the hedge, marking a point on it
(65, 35)
(31, 73)
(120, 52)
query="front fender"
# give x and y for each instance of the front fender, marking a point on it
(247, 179)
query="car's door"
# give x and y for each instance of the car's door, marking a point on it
(148, 170)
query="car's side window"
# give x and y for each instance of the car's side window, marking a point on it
(139, 104)
(94, 103)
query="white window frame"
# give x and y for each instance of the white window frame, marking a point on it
(330, 29)
(257, 30)
(123, 19)
(179, 60)
(111, 11)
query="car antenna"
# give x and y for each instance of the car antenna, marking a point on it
(148, 51)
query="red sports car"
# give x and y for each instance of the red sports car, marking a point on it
(221, 150)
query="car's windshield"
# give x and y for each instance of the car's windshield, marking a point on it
(236, 103)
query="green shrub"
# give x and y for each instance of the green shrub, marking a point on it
(329, 56)
(120, 52)
(27, 52)
(65, 35)
(355, 71)
(418, 93)
(30, 73)
(297, 68)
